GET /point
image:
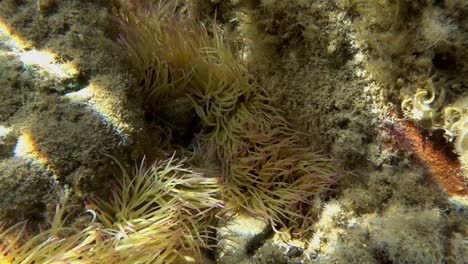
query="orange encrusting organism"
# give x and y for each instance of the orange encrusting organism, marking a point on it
(444, 170)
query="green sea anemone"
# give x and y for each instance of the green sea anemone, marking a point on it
(59, 243)
(160, 214)
(266, 171)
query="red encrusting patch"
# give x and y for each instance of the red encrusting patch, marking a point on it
(444, 169)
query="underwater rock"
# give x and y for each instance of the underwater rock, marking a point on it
(239, 237)
(25, 189)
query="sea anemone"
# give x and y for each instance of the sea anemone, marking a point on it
(160, 214)
(266, 171)
(59, 243)
(163, 213)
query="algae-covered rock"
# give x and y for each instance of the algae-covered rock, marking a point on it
(239, 237)
(25, 189)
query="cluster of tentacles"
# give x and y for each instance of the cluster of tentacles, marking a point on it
(158, 214)
(266, 171)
